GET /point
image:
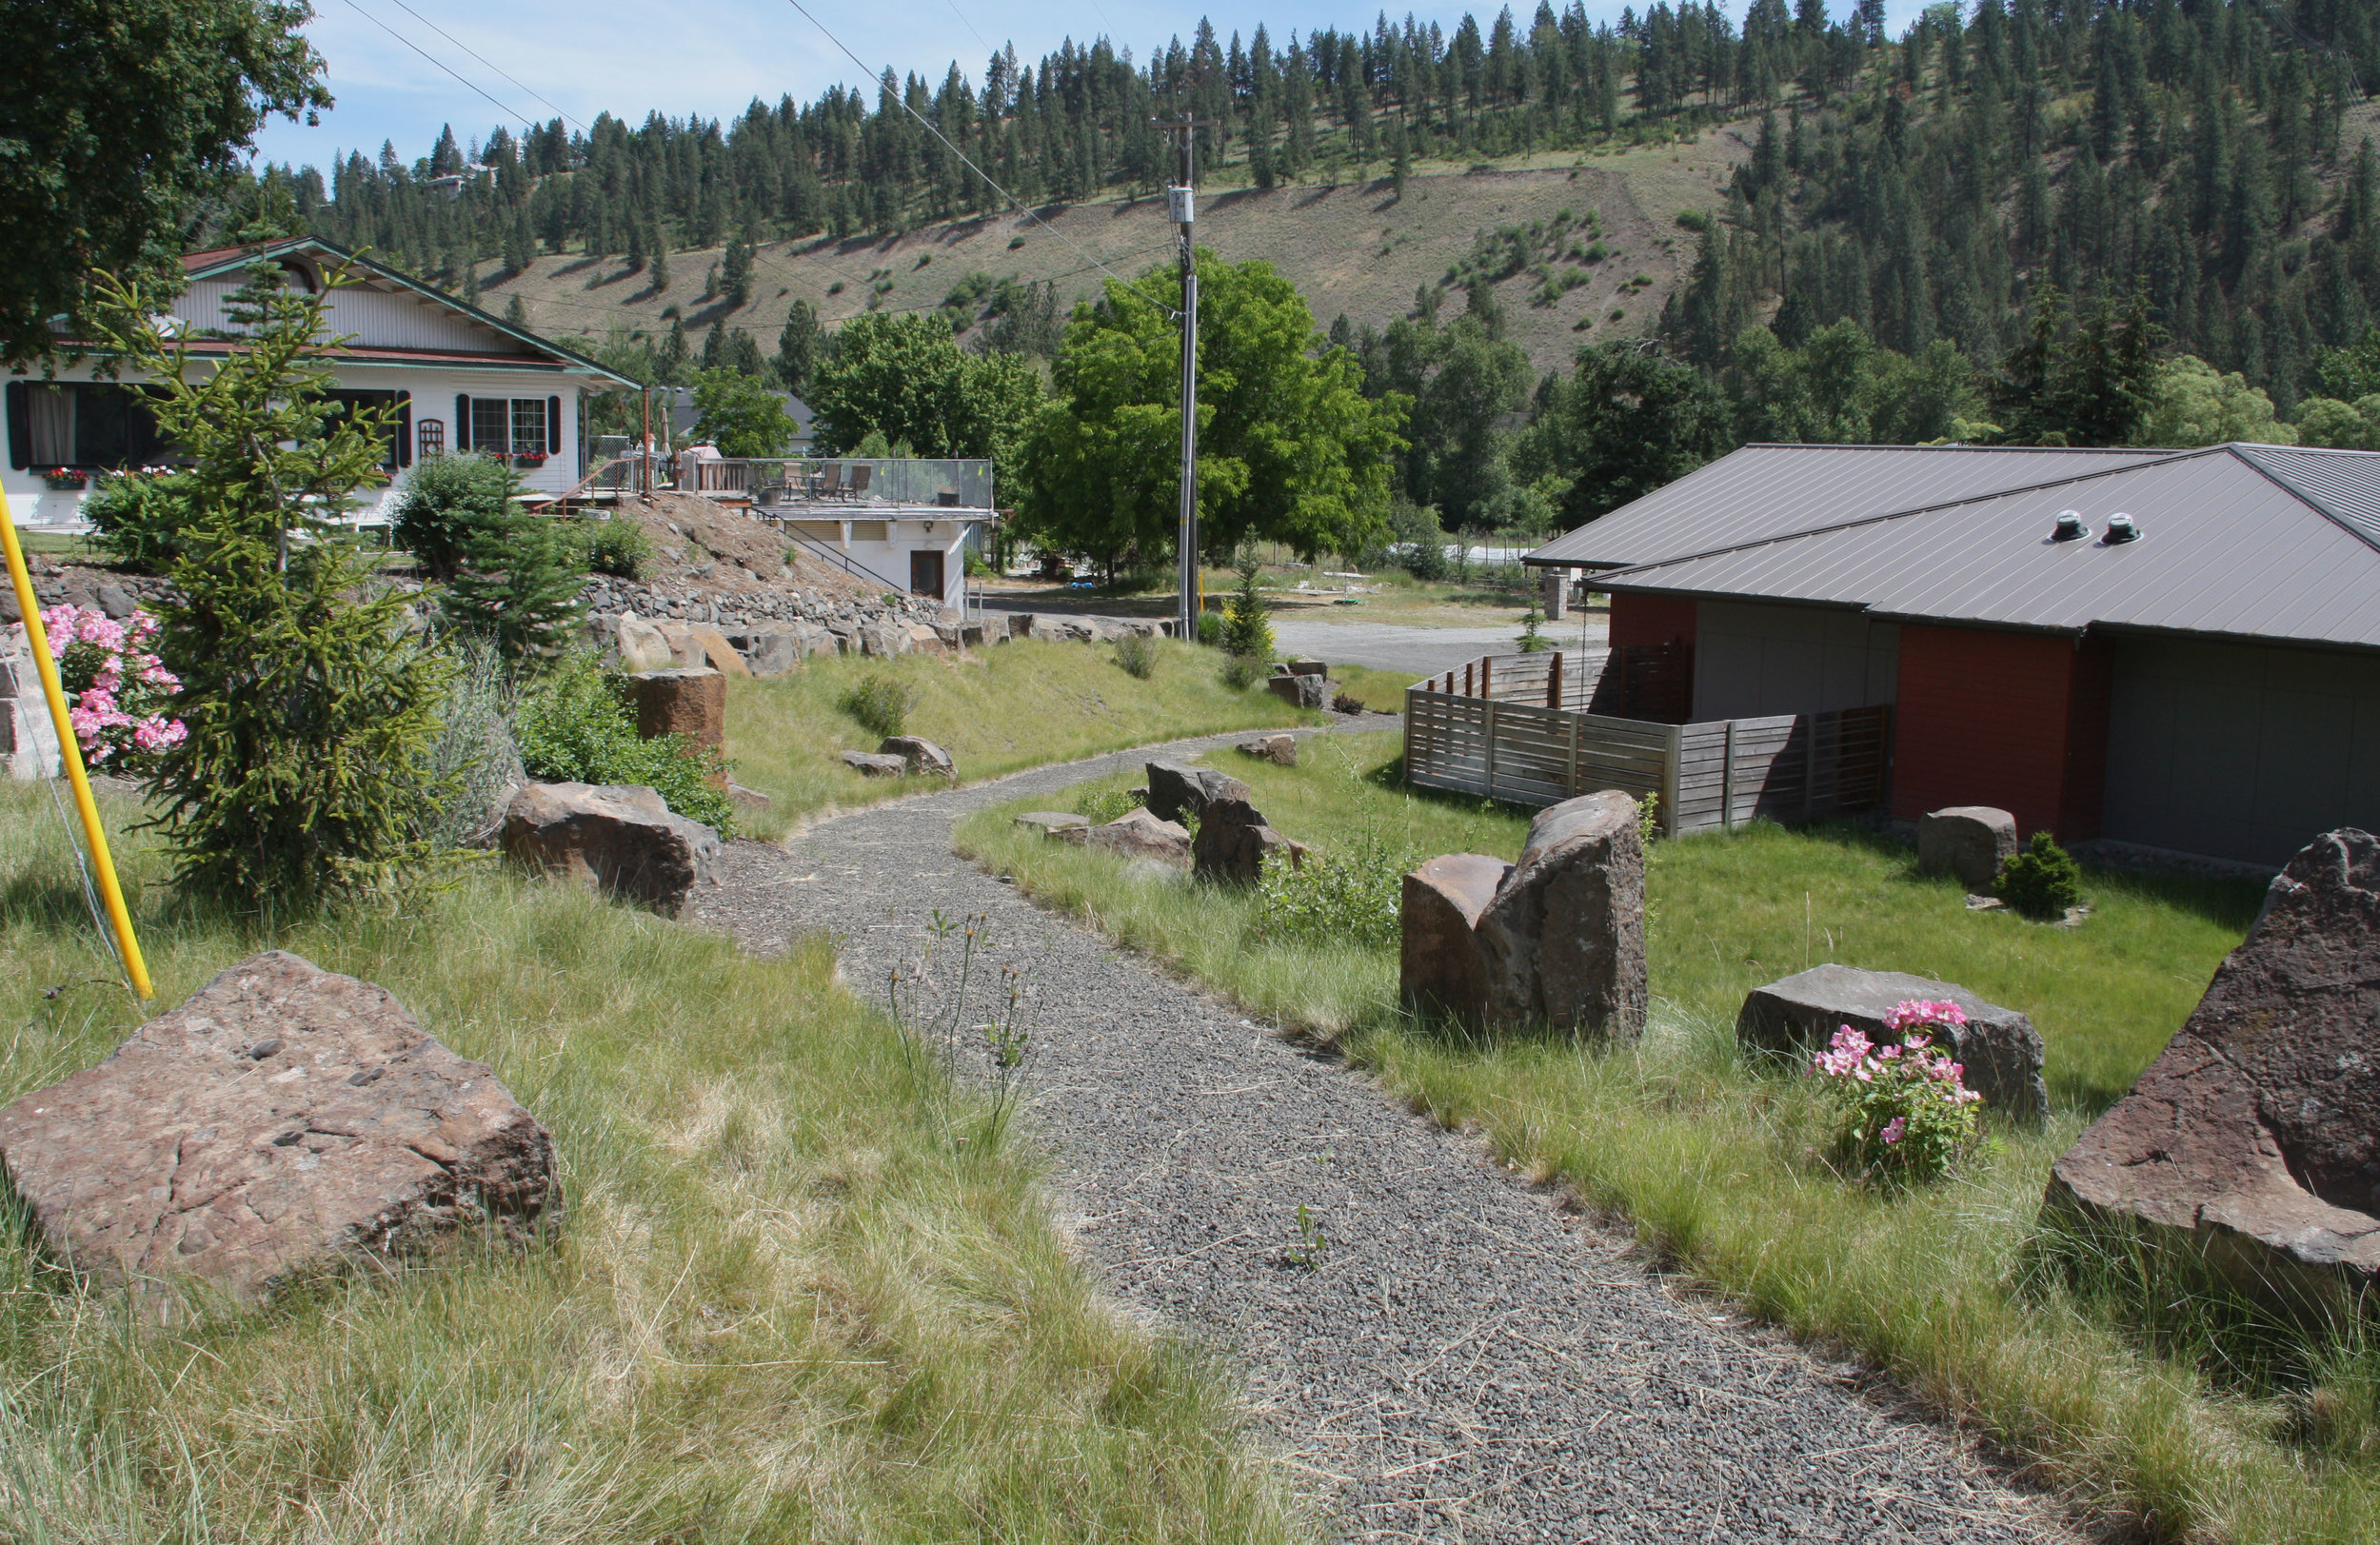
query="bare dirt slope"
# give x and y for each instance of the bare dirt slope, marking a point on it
(1354, 248)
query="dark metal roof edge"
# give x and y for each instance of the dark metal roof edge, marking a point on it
(1926, 509)
(2242, 450)
(2274, 641)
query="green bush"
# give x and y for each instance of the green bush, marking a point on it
(1101, 805)
(1241, 672)
(620, 547)
(2042, 880)
(1247, 632)
(1210, 629)
(1420, 541)
(443, 502)
(1137, 654)
(880, 704)
(574, 725)
(137, 518)
(517, 584)
(1352, 894)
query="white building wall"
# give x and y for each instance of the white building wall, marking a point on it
(889, 561)
(376, 318)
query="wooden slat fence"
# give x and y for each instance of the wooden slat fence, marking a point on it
(1500, 739)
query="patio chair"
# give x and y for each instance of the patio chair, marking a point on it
(860, 476)
(826, 480)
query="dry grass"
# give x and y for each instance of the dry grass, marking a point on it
(996, 710)
(783, 1304)
(2162, 1409)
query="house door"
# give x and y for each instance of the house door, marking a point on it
(926, 574)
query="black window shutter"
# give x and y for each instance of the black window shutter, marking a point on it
(462, 422)
(553, 425)
(20, 426)
(405, 430)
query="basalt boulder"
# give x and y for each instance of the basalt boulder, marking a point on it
(1564, 936)
(922, 758)
(1234, 843)
(1176, 789)
(2252, 1145)
(1968, 841)
(623, 839)
(1997, 1048)
(284, 1121)
(1440, 965)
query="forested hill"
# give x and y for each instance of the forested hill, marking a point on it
(1927, 186)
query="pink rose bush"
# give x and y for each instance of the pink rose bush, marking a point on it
(117, 688)
(1905, 1111)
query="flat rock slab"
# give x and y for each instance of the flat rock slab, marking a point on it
(876, 763)
(1999, 1047)
(1050, 822)
(623, 839)
(1136, 834)
(2253, 1139)
(1280, 750)
(284, 1119)
(922, 758)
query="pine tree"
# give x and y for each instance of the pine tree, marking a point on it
(714, 347)
(518, 582)
(670, 364)
(798, 348)
(516, 311)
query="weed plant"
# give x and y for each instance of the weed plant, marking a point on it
(782, 1304)
(572, 724)
(2139, 1392)
(1136, 654)
(1100, 805)
(880, 704)
(619, 548)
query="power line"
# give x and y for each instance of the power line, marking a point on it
(965, 161)
(467, 49)
(520, 117)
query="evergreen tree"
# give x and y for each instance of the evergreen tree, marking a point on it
(798, 348)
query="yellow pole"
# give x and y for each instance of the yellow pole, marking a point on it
(70, 752)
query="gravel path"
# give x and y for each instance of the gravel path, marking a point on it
(1467, 1361)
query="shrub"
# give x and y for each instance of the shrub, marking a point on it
(620, 547)
(1247, 633)
(1241, 672)
(474, 748)
(1210, 629)
(2042, 880)
(1353, 894)
(1137, 654)
(574, 725)
(442, 501)
(1532, 640)
(118, 688)
(1347, 703)
(517, 585)
(137, 518)
(1421, 541)
(1099, 806)
(880, 704)
(309, 709)
(1905, 1112)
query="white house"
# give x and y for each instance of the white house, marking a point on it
(460, 379)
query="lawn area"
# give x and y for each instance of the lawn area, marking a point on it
(804, 1290)
(1382, 691)
(2138, 1410)
(996, 710)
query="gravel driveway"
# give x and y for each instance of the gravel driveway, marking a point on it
(1463, 1359)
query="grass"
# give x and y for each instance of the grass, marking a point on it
(996, 710)
(2168, 1412)
(803, 1290)
(1382, 691)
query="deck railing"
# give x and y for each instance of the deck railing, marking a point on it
(1488, 730)
(871, 482)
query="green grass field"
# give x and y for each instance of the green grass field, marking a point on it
(2143, 1412)
(804, 1289)
(996, 710)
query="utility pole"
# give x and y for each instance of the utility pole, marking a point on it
(1180, 205)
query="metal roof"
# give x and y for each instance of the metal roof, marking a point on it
(1763, 491)
(2228, 545)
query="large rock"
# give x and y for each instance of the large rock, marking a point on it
(642, 645)
(1308, 667)
(1176, 789)
(2252, 1145)
(1968, 841)
(1302, 689)
(1234, 842)
(1997, 1047)
(1564, 938)
(283, 1121)
(1280, 750)
(689, 702)
(925, 759)
(717, 652)
(771, 652)
(1440, 965)
(884, 640)
(876, 763)
(620, 838)
(1136, 834)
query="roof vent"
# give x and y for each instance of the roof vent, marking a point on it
(2121, 530)
(2070, 527)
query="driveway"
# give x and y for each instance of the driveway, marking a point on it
(1423, 652)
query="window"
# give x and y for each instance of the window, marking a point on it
(528, 425)
(345, 403)
(82, 423)
(509, 426)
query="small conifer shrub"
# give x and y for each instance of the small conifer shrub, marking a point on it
(2042, 880)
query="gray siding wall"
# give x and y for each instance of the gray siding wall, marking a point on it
(1752, 659)
(2240, 751)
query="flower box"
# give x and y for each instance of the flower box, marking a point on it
(65, 479)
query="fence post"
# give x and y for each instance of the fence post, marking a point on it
(1727, 780)
(1490, 746)
(1466, 679)
(1570, 769)
(1554, 684)
(1486, 665)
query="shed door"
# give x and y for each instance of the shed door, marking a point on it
(2237, 751)
(926, 574)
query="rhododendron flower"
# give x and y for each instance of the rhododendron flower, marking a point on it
(1894, 1128)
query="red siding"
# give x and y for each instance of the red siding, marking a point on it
(2014, 720)
(1641, 619)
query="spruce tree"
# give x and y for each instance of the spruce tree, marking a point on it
(798, 348)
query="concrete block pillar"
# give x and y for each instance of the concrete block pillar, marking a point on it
(1556, 587)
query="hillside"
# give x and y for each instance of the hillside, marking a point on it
(1360, 249)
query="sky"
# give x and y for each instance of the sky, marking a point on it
(712, 57)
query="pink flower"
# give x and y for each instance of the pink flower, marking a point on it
(1894, 1128)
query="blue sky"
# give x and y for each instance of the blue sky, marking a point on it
(709, 56)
